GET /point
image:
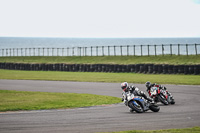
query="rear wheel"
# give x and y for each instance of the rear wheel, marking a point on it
(136, 106)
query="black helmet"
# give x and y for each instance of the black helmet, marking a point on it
(124, 86)
(148, 84)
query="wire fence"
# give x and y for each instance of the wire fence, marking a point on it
(123, 50)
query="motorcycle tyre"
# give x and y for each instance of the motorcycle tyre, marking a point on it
(164, 101)
(173, 101)
(154, 108)
(131, 105)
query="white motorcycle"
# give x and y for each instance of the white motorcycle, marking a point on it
(139, 104)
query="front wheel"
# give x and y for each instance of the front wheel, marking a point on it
(163, 100)
(173, 101)
(154, 108)
(135, 106)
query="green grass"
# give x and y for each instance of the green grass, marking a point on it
(100, 77)
(23, 100)
(167, 59)
(185, 130)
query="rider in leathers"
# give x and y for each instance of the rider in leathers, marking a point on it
(127, 90)
(149, 85)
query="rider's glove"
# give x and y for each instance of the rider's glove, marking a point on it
(126, 102)
(122, 99)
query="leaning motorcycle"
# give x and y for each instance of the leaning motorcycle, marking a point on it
(161, 95)
(140, 105)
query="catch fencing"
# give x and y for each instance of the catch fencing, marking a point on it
(123, 50)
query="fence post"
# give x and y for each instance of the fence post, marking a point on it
(114, 51)
(96, 50)
(108, 50)
(186, 49)
(196, 48)
(127, 50)
(141, 49)
(148, 49)
(102, 50)
(155, 49)
(171, 49)
(21, 52)
(162, 49)
(134, 49)
(91, 50)
(178, 49)
(121, 50)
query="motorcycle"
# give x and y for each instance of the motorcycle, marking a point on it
(140, 105)
(161, 95)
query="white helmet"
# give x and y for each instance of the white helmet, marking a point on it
(124, 86)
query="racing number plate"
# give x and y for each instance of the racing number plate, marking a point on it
(153, 90)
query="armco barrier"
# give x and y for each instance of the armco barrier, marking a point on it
(115, 68)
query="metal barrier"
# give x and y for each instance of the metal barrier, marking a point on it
(123, 50)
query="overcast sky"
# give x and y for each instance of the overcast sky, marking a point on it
(100, 18)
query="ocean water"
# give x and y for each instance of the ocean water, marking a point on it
(31, 42)
(22, 46)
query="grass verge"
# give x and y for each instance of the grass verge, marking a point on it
(100, 77)
(185, 130)
(167, 59)
(22, 100)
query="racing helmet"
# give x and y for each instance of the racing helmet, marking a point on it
(148, 84)
(124, 86)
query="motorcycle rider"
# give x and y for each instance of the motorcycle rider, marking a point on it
(149, 85)
(127, 90)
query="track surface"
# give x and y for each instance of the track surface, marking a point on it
(185, 113)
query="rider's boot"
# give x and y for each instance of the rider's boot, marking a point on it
(150, 100)
(131, 110)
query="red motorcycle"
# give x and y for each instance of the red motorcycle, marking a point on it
(161, 95)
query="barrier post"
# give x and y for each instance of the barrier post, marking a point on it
(196, 48)
(121, 50)
(102, 50)
(91, 50)
(108, 50)
(114, 51)
(186, 49)
(162, 49)
(178, 49)
(171, 49)
(127, 50)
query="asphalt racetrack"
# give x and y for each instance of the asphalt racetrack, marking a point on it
(185, 113)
